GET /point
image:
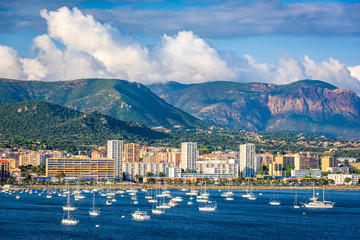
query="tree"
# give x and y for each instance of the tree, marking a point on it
(27, 177)
(60, 175)
(289, 168)
(136, 177)
(148, 174)
(161, 174)
(347, 180)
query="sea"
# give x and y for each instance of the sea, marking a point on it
(37, 217)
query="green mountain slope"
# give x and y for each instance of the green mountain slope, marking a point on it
(307, 105)
(57, 124)
(117, 98)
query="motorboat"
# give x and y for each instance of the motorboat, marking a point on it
(140, 215)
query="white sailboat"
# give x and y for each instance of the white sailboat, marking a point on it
(273, 200)
(208, 207)
(249, 194)
(295, 202)
(93, 211)
(155, 209)
(228, 193)
(69, 220)
(319, 204)
(314, 196)
(68, 206)
(192, 192)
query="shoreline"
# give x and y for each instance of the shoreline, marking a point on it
(179, 187)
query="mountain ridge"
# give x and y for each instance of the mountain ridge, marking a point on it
(305, 105)
(124, 100)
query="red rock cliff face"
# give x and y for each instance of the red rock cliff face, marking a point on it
(317, 103)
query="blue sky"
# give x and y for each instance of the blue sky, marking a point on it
(248, 40)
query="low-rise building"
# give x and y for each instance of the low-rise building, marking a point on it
(217, 167)
(173, 172)
(344, 170)
(81, 167)
(348, 159)
(340, 178)
(140, 169)
(309, 173)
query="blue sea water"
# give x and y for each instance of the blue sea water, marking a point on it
(37, 217)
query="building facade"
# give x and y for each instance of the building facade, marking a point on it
(340, 178)
(210, 167)
(189, 155)
(303, 161)
(328, 162)
(247, 160)
(81, 167)
(4, 170)
(308, 173)
(140, 169)
(173, 172)
(115, 150)
(132, 152)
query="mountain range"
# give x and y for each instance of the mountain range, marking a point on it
(304, 106)
(123, 100)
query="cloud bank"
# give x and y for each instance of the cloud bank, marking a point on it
(78, 46)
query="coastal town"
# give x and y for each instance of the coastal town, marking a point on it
(131, 162)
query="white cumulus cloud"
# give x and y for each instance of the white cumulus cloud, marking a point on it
(10, 64)
(78, 46)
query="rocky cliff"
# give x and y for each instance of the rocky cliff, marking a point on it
(307, 105)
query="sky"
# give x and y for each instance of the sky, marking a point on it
(275, 41)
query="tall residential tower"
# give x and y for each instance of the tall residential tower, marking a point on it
(115, 150)
(247, 160)
(189, 155)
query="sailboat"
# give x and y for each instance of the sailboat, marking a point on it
(148, 196)
(228, 194)
(314, 197)
(319, 204)
(193, 192)
(249, 194)
(69, 220)
(295, 202)
(155, 209)
(208, 207)
(203, 197)
(93, 211)
(273, 201)
(68, 206)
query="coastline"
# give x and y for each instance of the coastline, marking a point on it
(179, 187)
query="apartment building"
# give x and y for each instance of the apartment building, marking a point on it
(81, 167)
(247, 160)
(305, 161)
(328, 162)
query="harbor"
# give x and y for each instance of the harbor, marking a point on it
(35, 216)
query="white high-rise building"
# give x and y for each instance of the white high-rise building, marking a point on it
(189, 155)
(247, 160)
(115, 150)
